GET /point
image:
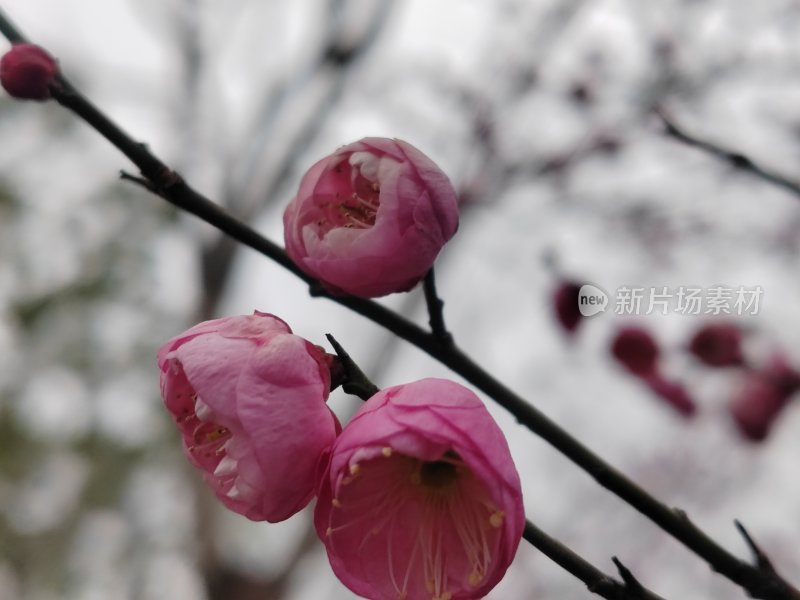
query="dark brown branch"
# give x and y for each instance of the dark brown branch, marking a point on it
(596, 581)
(170, 186)
(759, 557)
(140, 181)
(736, 159)
(627, 577)
(435, 310)
(354, 382)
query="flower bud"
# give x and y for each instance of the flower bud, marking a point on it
(756, 406)
(249, 400)
(717, 345)
(421, 499)
(761, 397)
(565, 303)
(370, 219)
(27, 72)
(673, 393)
(636, 350)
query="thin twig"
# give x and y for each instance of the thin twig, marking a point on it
(596, 581)
(625, 573)
(736, 159)
(760, 558)
(170, 186)
(355, 381)
(140, 181)
(435, 310)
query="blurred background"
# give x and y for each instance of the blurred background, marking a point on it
(543, 114)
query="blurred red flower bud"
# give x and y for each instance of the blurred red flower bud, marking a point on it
(27, 72)
(636, 350)
(782, 374)
(565, 302)
(756, 405)
(762, 396)
(717, 345)
(674, 394)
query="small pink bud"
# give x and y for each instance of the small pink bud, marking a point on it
(756, 406)
(636, 350)
(785, 377)
(27, 72)
(249, 399)
(762, 396)
(422, 499)
(565, 303)
(370, 219)
(673, 393)
(717, 345)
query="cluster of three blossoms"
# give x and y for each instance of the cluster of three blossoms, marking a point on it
(417, 496)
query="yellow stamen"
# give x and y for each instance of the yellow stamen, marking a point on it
(216, 434)
(497, 518)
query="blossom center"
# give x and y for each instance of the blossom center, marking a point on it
(356, 196)
(433, 522)
(208, 439)
(438, 474)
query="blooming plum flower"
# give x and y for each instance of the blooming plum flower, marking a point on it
(370, 219)
(421, 499)
(248, 397)
(27, 71)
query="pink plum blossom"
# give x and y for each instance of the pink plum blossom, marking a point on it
(422, 499)
(248, 397)
(370, 219)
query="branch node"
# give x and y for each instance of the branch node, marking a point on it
(354, 381)
(140, 181)
(166, 178)
(628, 578)
(759, 557)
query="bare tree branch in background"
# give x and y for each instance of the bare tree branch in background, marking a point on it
(255, 181)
